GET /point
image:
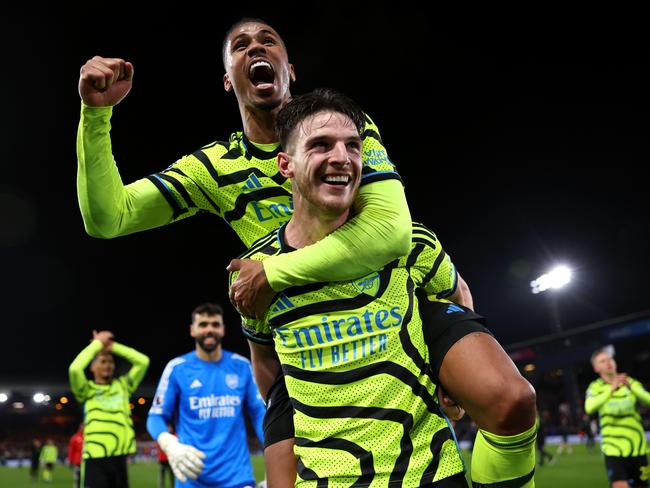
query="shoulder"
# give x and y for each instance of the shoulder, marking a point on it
(595, 385)
(175, 363)
(210, 154)
(218, 149)
(240, 359)
(237, 359)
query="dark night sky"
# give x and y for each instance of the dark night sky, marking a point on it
(521, 143)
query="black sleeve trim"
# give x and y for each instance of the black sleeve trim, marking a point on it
(176, 208)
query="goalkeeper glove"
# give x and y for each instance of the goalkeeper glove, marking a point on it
(185, 460)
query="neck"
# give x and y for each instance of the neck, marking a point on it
(310, 224)
(608, 377)
(102, 381)
(208, 356)
(259, 124)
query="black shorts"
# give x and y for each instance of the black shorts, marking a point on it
(443, 325)
(108, 472)
(627, 468)
(278, 420)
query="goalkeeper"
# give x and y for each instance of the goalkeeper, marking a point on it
(204, 394)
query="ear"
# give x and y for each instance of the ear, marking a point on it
(285, 165)
(227, 85)
(292, 73)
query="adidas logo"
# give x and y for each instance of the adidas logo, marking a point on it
(251, 183)
(283, 303)
(454, 309)
(196, 384)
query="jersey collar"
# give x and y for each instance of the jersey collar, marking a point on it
(255, 152)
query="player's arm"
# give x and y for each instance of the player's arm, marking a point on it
(379, 233)
(139, 364)
(462, 295)
(78, 381)
(255, 407)
(185, 460)
(595, 400)
(639, 391)
(266, 365)
(108, 207)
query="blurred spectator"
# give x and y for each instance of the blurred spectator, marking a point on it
(35, 459)
(75, 448)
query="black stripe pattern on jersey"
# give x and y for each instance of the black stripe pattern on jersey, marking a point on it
(255, 196)
(439, 438)
(364, 372)
(309, 475)
(252, 151)
(386, 414)
(177, 210)
(405, 338)
(359, 301)
(365, 459)
(189, 203)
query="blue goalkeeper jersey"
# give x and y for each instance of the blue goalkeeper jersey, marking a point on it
(205, 401)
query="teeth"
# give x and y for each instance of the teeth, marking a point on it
(337, 179)
(260, 63)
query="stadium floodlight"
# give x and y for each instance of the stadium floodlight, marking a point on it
(556, 278)
(3, 397)
(38, 397)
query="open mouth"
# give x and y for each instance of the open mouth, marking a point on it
(340, 180)
(261, 74)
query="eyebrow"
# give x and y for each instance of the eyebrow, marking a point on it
(246, 34)
(214, 322)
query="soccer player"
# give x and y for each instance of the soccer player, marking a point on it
(237, 179)
(108, 427)
(204, 394)
(509, 456)
(353, 353)
(48, 456)
(614, 396)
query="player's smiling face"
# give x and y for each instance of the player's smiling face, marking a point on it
(257, 66)
(208, 331)
(325, 161)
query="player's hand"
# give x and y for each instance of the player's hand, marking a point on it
(105, 337)
(448, 405)
(185, 460)
(620, 380)
(104, 82)
(624, 379)
(250, 293)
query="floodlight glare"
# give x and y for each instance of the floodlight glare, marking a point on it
(3, 397)
(38, 398)
(556, 278)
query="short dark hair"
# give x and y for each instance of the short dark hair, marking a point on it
(244, 20)
(319, 100)
(207, 309)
